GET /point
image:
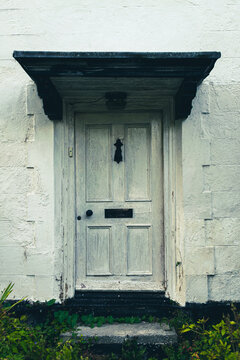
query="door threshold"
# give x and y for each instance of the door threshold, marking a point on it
(123, 285)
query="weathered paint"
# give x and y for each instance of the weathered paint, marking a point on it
(124, 253)
(208, 221)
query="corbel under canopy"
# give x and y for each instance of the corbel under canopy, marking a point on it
(72, 75)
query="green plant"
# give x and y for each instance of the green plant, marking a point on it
(181, 351)
(90, 320)
(22, 341)
(206, 342)
(131, 351)
(177, 320)
(4, 295)
(66, 319)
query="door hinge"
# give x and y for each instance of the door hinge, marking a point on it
(70, 151)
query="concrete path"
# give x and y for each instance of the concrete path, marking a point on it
(146, 333)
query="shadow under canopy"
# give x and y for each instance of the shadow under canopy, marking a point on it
(89, 75)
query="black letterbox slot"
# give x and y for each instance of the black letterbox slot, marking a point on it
(118, 213)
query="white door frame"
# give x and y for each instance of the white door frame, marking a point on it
(65, 211)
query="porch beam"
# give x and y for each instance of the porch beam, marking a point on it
(41, 66)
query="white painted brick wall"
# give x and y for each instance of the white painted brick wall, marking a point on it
(211, 146)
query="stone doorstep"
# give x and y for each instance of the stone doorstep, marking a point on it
(115, 334)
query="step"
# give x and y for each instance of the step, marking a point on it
(120, 303)
(115, 334)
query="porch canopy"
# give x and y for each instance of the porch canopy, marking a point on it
(87, 76)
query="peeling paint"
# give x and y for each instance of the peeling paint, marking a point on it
(210, 138)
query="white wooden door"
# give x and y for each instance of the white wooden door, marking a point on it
(119, 253)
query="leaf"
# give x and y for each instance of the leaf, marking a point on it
(74, 320)
(15, 349)
(110, 319)
(51, 302)
(6, 292)
(185, 330)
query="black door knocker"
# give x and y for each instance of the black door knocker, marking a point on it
(118, 153)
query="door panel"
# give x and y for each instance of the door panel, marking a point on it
(139, 250)
(137, 160)
(119, 253)
(98, 165)
(99, 243)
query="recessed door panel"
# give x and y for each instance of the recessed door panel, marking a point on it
(139, 250)
(98, 164)
(98, 250)
(137, 162)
